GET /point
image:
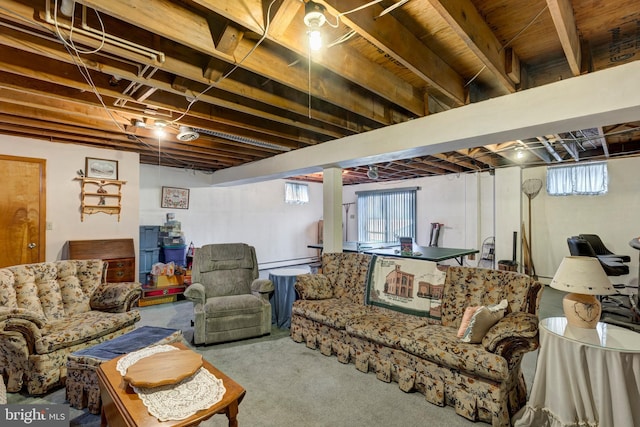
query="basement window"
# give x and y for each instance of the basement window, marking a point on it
(587, 179)
(386, 215)
(295, 193)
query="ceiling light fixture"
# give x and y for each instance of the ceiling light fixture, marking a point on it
(139, 123)
(519, 153)
(314, 19)
(187, 134)
(372, 173)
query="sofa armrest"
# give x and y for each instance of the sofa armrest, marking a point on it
(514, 333)
(195, 293)
(29, 331)
(116, 297)
(21, 313)
(262, 286)
(313, 286)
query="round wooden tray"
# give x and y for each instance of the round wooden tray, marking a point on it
(164, 368)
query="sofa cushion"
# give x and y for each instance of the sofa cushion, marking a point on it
(80, 328)
(441, 345)
(347, 272)
(7, 290)
(469, 286)
(332, 312)
(27, 298)
(313, 286)
(73, 297)
(232, 305)
(51, 299)
(384, 326)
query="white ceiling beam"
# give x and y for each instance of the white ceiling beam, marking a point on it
(597, 99)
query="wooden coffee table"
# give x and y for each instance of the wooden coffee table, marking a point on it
(121, 406)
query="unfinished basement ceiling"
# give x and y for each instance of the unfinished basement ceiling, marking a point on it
(231, 93)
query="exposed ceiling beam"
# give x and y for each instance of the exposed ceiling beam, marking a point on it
(565, 23)
(464, 19)
(387, 34)
(343, 61)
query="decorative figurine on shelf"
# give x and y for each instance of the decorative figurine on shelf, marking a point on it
(101, 190)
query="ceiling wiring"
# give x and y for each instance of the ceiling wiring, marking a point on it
(70, 42)
(235, 67)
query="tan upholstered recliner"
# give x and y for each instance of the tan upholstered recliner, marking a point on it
(229, 301)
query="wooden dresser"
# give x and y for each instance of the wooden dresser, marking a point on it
(119, 253)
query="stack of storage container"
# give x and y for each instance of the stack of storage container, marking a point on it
(173, 246)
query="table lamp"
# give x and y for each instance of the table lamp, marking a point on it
(584, 278)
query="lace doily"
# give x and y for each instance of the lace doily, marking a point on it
(175, 401)
(178, 401)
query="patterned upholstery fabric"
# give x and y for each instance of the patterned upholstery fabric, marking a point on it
(481, 381)
(48, 310)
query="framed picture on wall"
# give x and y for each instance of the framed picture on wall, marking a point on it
(175, 198)
(100, 168)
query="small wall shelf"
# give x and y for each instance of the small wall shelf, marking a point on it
(100, 195)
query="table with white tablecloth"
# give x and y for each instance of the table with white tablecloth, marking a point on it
(284, 294)
(584, 377)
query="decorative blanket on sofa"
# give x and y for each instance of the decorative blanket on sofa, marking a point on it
(406, 285)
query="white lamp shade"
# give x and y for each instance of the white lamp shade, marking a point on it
(582, 275)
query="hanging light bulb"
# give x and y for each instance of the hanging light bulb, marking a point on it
(314, 19)
(160, 126)
(315, 40)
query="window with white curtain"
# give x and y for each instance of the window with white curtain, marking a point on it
(385, 215)
(296, 193)
(584, 179)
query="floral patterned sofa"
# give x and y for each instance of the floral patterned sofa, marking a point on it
(51, 309)
(482, 381)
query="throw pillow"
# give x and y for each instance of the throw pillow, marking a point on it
(482, 320)
(466, 318)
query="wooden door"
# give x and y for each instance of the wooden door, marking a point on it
(22, 210)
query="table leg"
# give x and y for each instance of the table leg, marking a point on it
(103, 418)
(232, 413)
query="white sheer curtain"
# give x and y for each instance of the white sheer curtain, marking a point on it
(296, 193)
(586, 179)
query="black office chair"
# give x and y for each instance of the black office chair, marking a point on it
(581, 247)
(600, 249)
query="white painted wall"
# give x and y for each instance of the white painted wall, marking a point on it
(63, 192)
(613, 216)
(508, 217)
(254, 213)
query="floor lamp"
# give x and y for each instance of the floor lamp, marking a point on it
(531, 187)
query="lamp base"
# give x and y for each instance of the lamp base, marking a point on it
(582, 311)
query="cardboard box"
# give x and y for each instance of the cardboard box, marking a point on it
(164, 281)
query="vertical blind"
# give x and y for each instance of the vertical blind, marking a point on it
(385, 215)
(586, 179)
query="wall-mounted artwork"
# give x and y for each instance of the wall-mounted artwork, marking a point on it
(100, 168)
(175, 198)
